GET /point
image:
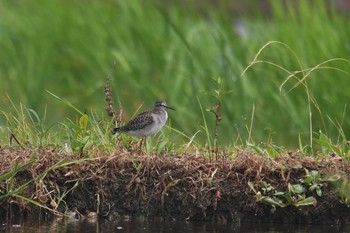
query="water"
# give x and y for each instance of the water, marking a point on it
(157, 226)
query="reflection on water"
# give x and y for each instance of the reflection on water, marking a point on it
(156, 226)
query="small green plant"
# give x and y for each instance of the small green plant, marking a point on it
(328, 147)
(312, 180)
(216, 110)
(137, 165)
(343, 188)
(300, 194)
(269, 149)
(217, 94)
(11, 191)
(86, 132)
(78, 135)
(263, 195)
(52, 190)
(9, 178)
(24, 126)
(58, 197)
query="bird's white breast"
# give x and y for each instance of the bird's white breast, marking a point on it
(159, 122)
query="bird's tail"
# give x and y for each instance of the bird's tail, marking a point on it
(115, 130)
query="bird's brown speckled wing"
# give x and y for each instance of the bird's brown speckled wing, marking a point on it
(141, 121)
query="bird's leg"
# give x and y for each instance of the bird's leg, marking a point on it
(148, 154)
(141, 143)
(144, 141)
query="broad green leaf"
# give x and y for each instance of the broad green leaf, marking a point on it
(251, 186)
(288, 197)
(273, 201)
(83, 122)
(297, 166)
(315, 175)
(307, 201)
(319, 192)
(307, 180)
(332, 178)
(314, 186)
(298, 188)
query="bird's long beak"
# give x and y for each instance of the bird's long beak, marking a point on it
(170, 107)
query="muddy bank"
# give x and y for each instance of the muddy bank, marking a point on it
(249, 187)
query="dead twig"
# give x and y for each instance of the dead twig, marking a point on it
(14, 138)
(109, 101)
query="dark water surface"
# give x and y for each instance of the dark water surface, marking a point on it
(155, 226)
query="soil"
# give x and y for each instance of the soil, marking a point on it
(172, 186)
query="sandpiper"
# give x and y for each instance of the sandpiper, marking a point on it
(146, 123)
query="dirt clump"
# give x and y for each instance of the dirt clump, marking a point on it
(173, 186)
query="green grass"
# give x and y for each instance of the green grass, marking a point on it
(174, 52)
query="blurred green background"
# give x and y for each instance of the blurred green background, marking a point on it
(175, 50)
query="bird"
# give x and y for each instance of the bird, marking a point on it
(146, 123)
